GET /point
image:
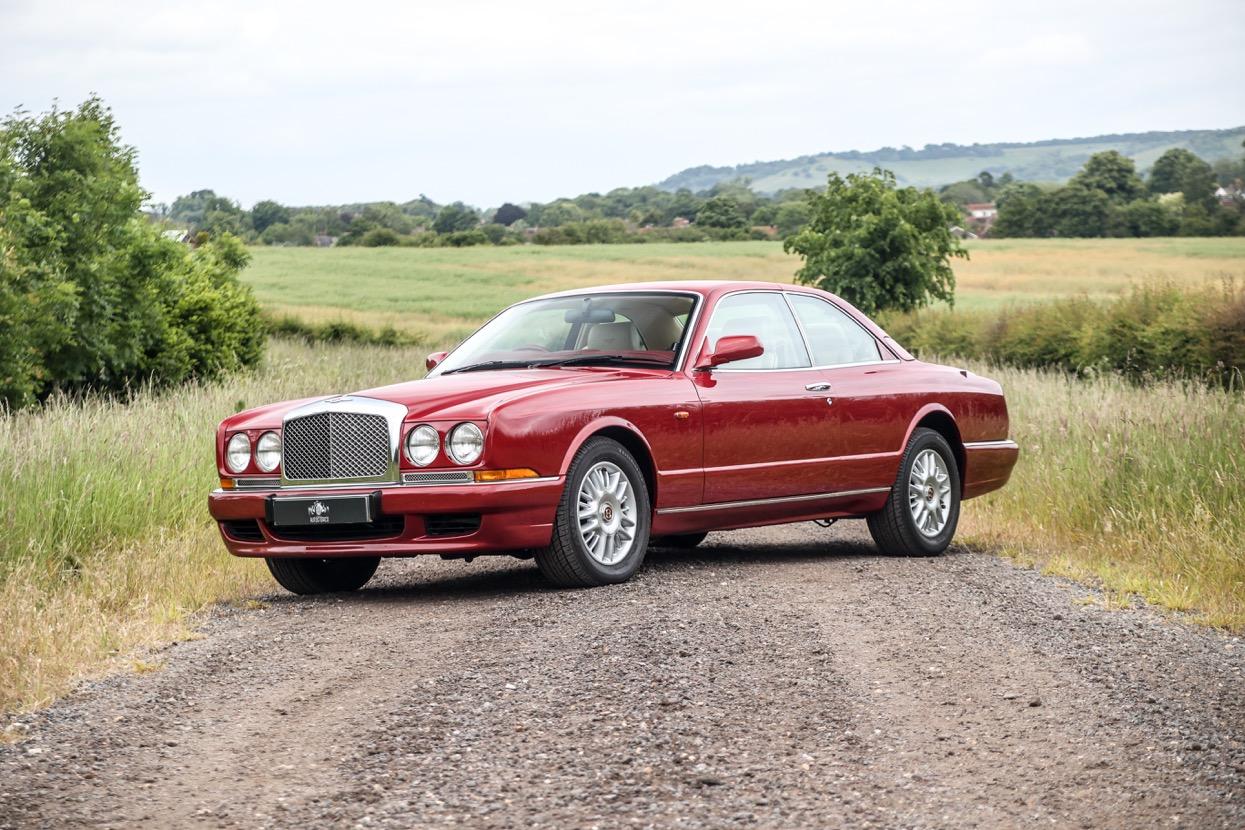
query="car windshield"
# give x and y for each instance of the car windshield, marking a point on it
(580, 330)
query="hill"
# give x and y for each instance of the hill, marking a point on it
(1053, 160)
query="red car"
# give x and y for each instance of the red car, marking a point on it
(580, 428)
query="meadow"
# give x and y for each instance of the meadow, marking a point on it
(441, 294)
(109, 548)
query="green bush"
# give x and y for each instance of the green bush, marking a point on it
(91, 296)
(1154, 331)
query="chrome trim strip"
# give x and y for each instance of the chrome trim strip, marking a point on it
(278, 488)
(729, 505)
(1005, 443)
(393, 413)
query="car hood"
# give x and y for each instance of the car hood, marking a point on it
(471, 396)
(475, 395)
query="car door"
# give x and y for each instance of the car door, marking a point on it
(766, 420)
(867, 410)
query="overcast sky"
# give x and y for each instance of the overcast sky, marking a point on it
(311, 102)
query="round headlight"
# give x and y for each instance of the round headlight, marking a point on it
(421, 445)
(465, 443)
(238, 452)
(268, 452)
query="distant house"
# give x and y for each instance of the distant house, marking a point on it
(960, 233)
(322, 241)
(981, 216)
(1228, 196)
(177, 235)
(680, 222)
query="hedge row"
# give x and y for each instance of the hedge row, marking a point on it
(1153, 331)
(339, 331)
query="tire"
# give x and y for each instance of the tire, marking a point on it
(569, 562)
(683, 541)
(895, 528)
(323, 576)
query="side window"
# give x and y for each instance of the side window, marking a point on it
(834, 337)
(766, 317)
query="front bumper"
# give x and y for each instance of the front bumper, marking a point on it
(513, 516)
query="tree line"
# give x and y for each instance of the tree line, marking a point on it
(628, 214)
(1108, 197)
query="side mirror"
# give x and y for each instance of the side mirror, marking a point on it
(732, 348)
(431, 361)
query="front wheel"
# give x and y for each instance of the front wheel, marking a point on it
(920, 516)
(601, 527)
(323, 576)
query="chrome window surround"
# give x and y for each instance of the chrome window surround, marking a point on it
(393, 413)
(882, 349)
(698, 301)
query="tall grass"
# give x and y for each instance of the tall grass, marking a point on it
(107, 543)
(1140, 488)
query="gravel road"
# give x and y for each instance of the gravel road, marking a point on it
(783, 677)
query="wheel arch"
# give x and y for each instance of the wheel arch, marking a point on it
(940, 420)
(627, 434)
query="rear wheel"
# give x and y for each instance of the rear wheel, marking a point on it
(323, 576)
(684, 541)
(601, 527)
(920, 516)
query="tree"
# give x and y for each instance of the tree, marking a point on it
(721, 212)
(1076, 211)
(455, 217)
(791, 216)
(877, 245)
(1180, 171)
(91, 296)
(1144, 217)
(1020, 212)
(508, 214)
(268, 213)
(1113, 174)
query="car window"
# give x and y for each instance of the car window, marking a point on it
(646, 327)
(834, 337)
(765, 316)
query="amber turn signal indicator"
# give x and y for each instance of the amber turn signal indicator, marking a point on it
(226, 483)
(484, 476)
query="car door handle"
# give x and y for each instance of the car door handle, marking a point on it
(818, 387)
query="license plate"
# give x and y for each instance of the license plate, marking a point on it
(322, 510)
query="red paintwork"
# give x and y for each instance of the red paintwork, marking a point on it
(705, 436)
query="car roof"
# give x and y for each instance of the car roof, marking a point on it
(707, 288)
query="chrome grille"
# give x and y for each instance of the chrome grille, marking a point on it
(328, 446)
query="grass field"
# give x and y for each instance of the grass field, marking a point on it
(108, 545)
(443, 293)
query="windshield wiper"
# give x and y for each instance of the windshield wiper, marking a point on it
(607, 359)
(490, 364)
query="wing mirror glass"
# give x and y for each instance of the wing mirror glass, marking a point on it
(431, 361)
(732, 348)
